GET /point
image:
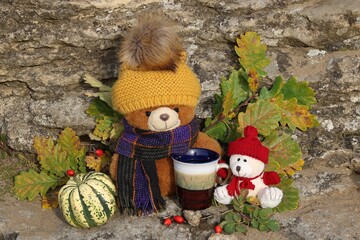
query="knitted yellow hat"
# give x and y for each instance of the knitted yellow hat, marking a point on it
(137, 90)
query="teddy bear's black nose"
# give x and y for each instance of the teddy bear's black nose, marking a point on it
(164, 116)
(238, 168)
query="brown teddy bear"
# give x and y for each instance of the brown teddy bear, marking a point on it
(157, 94)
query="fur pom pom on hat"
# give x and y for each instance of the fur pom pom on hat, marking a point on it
(153, 69)
(249, 145)
(152, 44)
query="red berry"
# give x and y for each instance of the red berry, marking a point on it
(99, 152)
(178, 219)
(218, 229)
(70, 172)
(167, 221)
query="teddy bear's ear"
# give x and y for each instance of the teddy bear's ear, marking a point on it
(152, 44)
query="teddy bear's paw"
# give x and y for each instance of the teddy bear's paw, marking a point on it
(270, 197)
(222, 196)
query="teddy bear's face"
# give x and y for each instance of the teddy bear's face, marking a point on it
(245, 166)
(162, 118)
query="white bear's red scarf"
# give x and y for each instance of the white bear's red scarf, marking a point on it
(137, 179)
(238, 183)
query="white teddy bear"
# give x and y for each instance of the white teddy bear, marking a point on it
(247, 163)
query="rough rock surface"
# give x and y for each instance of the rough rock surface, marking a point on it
(46, 46)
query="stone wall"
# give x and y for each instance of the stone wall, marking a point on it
(46, 46)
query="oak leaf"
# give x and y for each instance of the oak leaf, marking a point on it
(283, 152)
(304, 94)
(105, 91)
(108, 122)
(75, 152)
(290, 200)
(30, 184)
(274, 90)
(51, 157)
(295, 115)
(253, 80)
(234, 91)
(97, 163)
(263, 115)
(50, 200)
(252, 53)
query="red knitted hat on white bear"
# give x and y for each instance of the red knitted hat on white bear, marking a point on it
(249, 145)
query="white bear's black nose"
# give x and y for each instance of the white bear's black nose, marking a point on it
(164, 116)
(238, 168)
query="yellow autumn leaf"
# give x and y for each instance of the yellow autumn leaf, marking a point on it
(50, 201)
(228, 103)
(295, 115)
(97, 163)
(289, 171)
(232, 115)
(291, 168)
(252, 53)
(253, 201)
(254, 80)
(93, 162)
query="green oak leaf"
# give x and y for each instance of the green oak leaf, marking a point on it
(98, 109)
(299, 90)
(53, 158)
(252, 53)
(75, 152)
(217, 131)
(29, 185)
(290, 200)
(105, 91)
(224, 131)
(217, 107)
(274, 91)
(232, 133)
(208, 121)
(263, 115)
(93, 82)
(284, 151)
(233, 92)
(108, 122)
(103, 128)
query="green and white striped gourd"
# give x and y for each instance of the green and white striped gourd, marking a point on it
(88, 200)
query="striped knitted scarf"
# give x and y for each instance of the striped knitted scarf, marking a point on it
(137, 183)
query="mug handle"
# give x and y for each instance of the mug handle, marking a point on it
(221, 165)
(218, 179)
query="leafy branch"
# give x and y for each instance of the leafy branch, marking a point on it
(246, 215)
(275, 111)
(55, 159)
(108, 122)
(221, 117)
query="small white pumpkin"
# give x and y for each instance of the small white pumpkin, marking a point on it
(88, 200)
